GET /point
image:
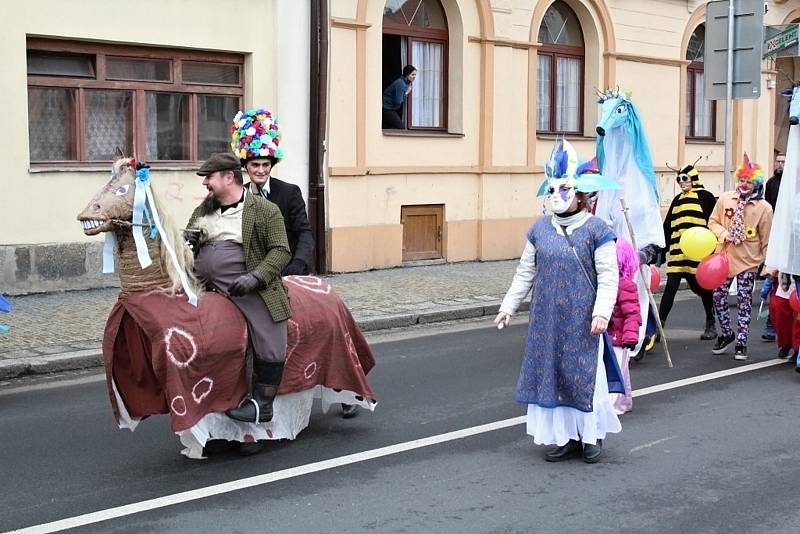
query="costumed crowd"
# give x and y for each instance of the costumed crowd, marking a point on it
(587, 264)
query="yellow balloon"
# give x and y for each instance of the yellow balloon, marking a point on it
(698, 242)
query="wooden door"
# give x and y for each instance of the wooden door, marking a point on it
(422, 231)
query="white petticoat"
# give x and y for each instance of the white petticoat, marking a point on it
(291, 415)
(556, 426)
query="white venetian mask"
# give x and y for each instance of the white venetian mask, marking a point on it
(560, 195)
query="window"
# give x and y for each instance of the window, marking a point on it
(559, 95)
(84, 100)
(700, 113)
(415, 33)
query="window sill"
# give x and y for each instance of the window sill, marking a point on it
(93, 167)
(568, 137)
(420, 133)
(701, 141)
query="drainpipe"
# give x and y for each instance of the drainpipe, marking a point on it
(318, 119)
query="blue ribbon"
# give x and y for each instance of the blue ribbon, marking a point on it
(139, 201)
(143, 196)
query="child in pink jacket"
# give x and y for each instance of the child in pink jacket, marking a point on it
(625, 320)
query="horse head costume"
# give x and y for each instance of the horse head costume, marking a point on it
(624, 155)
(170, 348)
(786, 220)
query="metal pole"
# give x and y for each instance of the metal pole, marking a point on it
(729, 100)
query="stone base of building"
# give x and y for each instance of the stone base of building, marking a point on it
(52, 267)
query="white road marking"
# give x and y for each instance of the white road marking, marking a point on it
(651, 444)
(705, 378)
(316, 467)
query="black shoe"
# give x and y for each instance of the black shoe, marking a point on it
(349, 410)
(741, 353)
(722, 344)
(218, 446)
(591, 453)
(710, 332)
(569, 450)
(784, 352)
(251, 447)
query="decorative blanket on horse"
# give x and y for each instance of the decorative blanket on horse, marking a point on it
(166, 356)
(325, 346)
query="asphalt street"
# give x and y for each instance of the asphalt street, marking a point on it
(716, 456)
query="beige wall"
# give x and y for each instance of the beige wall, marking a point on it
(488, 176)
(39, 207)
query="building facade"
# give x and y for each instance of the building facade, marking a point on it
(161, 80)
(453, 180)
(497, 82)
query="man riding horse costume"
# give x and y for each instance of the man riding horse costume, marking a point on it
(170, 347)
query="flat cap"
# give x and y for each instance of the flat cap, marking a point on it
(221, 161)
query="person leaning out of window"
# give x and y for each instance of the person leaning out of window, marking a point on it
(395, 96)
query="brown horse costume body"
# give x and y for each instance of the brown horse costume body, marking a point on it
(164, 355)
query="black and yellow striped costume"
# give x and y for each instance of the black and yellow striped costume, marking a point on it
(687, 210)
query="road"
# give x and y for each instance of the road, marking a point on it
(718, 455)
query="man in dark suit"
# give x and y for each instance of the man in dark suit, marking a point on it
(290, 201)
(242, 253)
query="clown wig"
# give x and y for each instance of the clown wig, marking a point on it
(750, 171)
(627, 259)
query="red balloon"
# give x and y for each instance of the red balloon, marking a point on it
(712, 271)
(794, 302)
(655, 278)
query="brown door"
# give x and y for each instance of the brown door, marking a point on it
(422, 231)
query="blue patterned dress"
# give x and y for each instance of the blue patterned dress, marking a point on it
(562, 359)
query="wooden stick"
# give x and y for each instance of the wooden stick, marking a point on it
(646, 285)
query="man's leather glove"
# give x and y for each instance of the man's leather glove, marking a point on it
(193, 239)
(245, 284)
(649, 254)
(295, 267)
(662, 257)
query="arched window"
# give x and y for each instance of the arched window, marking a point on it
(415, 33)
(559, 95)
(700, 113)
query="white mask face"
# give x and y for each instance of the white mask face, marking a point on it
(561, 194)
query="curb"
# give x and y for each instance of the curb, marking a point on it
(84, 359)
(50, 363)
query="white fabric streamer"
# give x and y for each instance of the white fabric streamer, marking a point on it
(783, 252)
(109, 249)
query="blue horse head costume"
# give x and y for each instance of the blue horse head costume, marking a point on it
(623, 154)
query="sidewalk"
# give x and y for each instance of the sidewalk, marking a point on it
(63, 331)
(54, 332)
